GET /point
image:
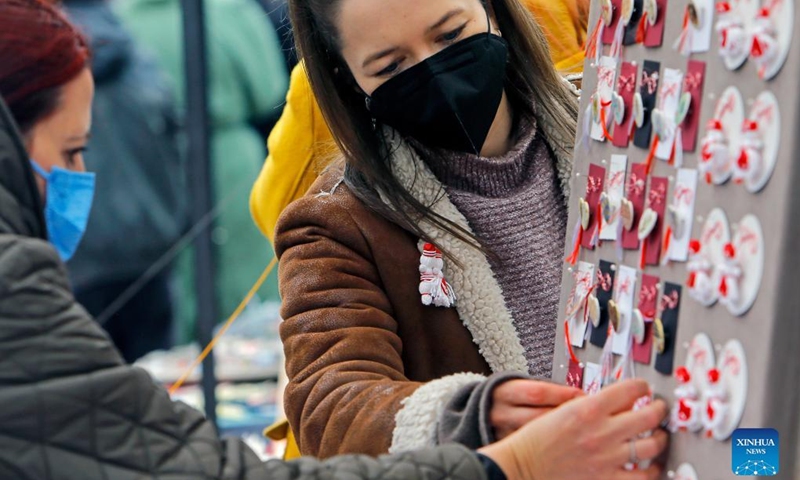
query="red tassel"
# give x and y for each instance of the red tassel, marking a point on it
(667, 242)
(643, 254)
(590, 49)
(598, 214)
(576, 250)
(642, 29)
(603, 122)
(672, 152)
(651, 155)
(572, 355)
(586, 304)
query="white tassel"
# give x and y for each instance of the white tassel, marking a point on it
(433, 287)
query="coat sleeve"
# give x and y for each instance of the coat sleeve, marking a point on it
(69, 404)
(347, 391)
(450, 462)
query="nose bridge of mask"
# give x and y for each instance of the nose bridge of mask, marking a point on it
(454, 109)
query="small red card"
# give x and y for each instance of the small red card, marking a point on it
(575, 375)
(657, 200)
(608, 32)
(654, 36)
(648, 303)
(693, 83)
(594, 188)
(635, 192)
(626, 87)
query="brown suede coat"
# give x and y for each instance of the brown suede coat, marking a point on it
(370, 368)
(358, 339)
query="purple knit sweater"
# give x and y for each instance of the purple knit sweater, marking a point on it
(516, 208)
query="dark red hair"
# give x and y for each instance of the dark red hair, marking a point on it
(40, 51)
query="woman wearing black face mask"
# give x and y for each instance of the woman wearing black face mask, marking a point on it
(436, 247)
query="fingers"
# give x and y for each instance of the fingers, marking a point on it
(632, 423)
(620, 397)
(651, 473)
(506, 421)
(535, 393)
(644, 448)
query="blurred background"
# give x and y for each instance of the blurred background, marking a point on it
(171, 249)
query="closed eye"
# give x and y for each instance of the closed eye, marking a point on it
(389, 69)
(452, 35)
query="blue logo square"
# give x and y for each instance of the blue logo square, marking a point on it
(755, 452)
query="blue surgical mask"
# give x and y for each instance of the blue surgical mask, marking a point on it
(66, 213)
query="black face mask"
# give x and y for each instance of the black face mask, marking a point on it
(449, 100)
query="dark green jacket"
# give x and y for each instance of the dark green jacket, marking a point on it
(71, 409)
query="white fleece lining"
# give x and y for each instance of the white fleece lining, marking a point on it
(417, 421)
(480, 303)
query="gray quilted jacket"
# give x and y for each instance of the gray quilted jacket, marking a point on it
(71, 409)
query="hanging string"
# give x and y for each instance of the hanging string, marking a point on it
(604, 120)
(641, 30)
(234, 316)
(651, 155)
(577, 239)
(570, 351)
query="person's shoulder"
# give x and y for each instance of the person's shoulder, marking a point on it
(328, 193)
(24, 257)
(329, 208)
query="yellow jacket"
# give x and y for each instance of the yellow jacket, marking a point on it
(301, 145)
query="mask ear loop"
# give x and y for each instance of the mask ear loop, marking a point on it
(39, 170)
(488, 18)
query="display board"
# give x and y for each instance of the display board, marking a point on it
(682, 263)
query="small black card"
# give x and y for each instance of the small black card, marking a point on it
(648, 88)
(604, 290)
(670, 308)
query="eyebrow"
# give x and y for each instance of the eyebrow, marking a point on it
(76, 138)
(447, 16)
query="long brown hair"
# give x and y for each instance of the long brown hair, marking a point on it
(368, 172)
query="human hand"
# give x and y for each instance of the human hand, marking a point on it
(589, 438)
(517, 402)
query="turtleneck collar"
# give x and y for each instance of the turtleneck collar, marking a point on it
(488, 176)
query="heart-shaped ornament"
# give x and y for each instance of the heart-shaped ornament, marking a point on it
(677, 219)
(596, 108)
(647, 223)
(617, 107)
(585, 213)
(637, 327)
(614, 315)
(651, 10)
(608, 207)
(626, 12)
(659, 123)
(684, 105)
(627, 214)
(593, 308)
(607, 12)
(659, 336)
(638, 110)
(695, 14)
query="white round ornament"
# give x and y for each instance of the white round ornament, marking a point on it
(732, 365)
(748, 243)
